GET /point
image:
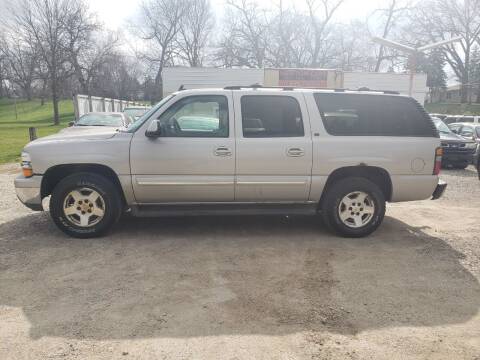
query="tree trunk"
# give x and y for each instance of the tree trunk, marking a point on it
(56, 118)
(159, 85)
(42, 95)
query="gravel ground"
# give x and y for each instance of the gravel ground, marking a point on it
(244, 287)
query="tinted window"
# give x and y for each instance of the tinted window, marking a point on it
(470, 119)
(271, 116)
(373, 115)
(451, 119)
(196, 116)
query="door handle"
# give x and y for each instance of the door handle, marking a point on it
(295, 152)
(222, 151)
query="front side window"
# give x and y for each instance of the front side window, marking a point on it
(467, 131)
(469, 119)
(373, 115)
(265, 116)
(196, 116)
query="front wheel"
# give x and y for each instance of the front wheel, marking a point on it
(353, 207)
(85, 205)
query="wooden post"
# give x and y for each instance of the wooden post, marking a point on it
(32, 132)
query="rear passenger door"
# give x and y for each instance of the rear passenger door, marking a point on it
(274, 147)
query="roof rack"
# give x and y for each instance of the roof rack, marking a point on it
(290, 88)
(258, 86)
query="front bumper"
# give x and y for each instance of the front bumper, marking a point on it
(439, 190)
(457, 158)
(28, 191)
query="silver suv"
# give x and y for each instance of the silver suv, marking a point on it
(237, 150)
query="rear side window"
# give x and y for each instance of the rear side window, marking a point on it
(266, 116)
(372, 115)
(469, 119)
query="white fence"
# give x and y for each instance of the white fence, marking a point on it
(83, 104)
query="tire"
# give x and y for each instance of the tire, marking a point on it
(368, 213)
(78, 211)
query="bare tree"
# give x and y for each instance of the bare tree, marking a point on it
(194, 32)
(246, 33)
(44, 21)
(451, 18)
(21, 63)
(85, 52)
(88, 59)
(289, 39)
(160, 24)
(327, 8)
(389, 17)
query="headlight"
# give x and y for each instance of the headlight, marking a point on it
(471, 145)
(27, 165)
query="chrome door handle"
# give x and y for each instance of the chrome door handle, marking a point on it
(295, 152)
(222, 151)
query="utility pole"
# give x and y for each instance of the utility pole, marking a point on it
(413, 52)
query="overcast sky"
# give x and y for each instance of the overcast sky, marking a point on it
(114, 13)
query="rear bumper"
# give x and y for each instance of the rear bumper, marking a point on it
(439, 190)
(28, 191)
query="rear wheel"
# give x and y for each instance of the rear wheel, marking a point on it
(353, 207)
(85, 205)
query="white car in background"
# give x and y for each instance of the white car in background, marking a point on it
(135, 112)
(104, 119)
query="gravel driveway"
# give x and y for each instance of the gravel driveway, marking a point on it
(244, 287)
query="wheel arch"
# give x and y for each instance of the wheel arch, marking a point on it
(56, 173)
(377, 175)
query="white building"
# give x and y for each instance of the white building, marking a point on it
(192, 78)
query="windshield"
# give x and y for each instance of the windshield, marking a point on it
(441, 127)
(100, 120)
(134, 126)
(134, 113)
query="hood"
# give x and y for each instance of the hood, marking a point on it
(452, 137)
(79, 133)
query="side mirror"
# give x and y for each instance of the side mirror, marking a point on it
(71, 123)
(154, 129)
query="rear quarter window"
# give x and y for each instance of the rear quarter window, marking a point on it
(373, 115)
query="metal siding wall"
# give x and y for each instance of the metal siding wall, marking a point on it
(386, 81)
(195, 78)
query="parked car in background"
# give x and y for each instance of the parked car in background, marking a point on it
(461, 118)
(105, 119)
(458, 152)
(242, 150)
(439, 116)
(135, 112)
(469, 131)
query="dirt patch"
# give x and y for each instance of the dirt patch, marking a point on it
(243, 287)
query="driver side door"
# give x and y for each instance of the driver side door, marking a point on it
(193, 160)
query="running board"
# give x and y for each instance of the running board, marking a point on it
(158, 210)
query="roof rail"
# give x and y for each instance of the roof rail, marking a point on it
(258, 86)
(290, 88)
(390, 92)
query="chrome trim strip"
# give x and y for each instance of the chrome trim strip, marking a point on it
(271, 183)
(172, 183)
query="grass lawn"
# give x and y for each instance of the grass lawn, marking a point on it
(14, 132)
(453, 109)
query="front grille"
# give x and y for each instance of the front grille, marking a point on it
(456, 147)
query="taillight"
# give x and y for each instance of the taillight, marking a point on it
(438, 161)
